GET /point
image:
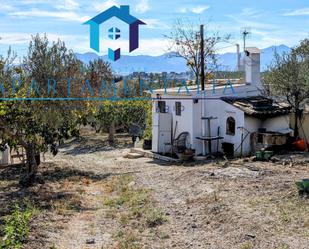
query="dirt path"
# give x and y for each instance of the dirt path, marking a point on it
(253, 205)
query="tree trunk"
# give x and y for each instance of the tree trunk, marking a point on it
(111, 135)
(31, 166)
(296, 131)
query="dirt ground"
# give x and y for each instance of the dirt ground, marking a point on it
(217, 205)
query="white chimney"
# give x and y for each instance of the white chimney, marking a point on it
(238, 58)
(252, 67)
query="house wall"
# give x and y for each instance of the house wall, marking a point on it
(275, 124)
(183, 123)
(251, 125)
(222, 110)
(190, 119)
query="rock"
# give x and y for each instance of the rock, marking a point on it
(275, 159)
(90, 241)
(131, 184)
(194, 226)
(249, 236)
(133, 156)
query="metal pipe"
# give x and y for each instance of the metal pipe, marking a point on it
(202, 58)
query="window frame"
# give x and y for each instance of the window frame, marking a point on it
(229, 131)
(162, 106)
(178, 108)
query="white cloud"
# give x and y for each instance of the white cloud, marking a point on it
(57, 4)
(249, 12)
(68, 5)
(152, 47)
(107, 4)
(182, 10)
(196, 10)
(14, 38)
(298, 12)
(155, 24)
(199, 9)
(63, 15)
(6, 7)
(142, 6)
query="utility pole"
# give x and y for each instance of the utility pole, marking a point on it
(245, 33)
(202, 57)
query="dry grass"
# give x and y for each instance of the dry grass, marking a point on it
(134, 209)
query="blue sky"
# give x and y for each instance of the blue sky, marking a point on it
(272, 22)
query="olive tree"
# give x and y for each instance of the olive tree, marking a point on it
(288, 76)
(37, 125)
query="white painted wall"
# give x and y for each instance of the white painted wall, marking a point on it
(275, 124)
(223, 110)
(185, 121)
(190, 121)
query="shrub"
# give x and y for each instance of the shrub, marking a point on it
(303, 187)
(16, 228)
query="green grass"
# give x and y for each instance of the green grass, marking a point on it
(127, 239)
(154, 217)
(16, 227)
(246, 245)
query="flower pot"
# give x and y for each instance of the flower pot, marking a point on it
(147, 144)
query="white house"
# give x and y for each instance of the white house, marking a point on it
(232, 116)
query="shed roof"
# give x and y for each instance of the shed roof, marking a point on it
(258, 106)
(253, 50)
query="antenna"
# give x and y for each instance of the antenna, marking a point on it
(245, 32)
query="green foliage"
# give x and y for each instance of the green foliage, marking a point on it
(154, 217)
(16, 228)
(122, 114)
(303, 187)
(288, 77)
(40, 126)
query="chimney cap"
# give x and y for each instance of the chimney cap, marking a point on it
(253, 50)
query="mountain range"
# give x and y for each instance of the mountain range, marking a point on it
(168, 63)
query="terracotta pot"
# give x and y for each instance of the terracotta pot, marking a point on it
(300, 145)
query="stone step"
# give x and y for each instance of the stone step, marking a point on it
(133, 155)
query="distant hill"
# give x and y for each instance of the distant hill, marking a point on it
(167, 63)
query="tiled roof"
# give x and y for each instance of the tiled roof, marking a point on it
(258, 106)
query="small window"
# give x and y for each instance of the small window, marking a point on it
(230, 126)
(161, 106)
(178, 108)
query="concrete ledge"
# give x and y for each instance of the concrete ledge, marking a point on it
(150, 154)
